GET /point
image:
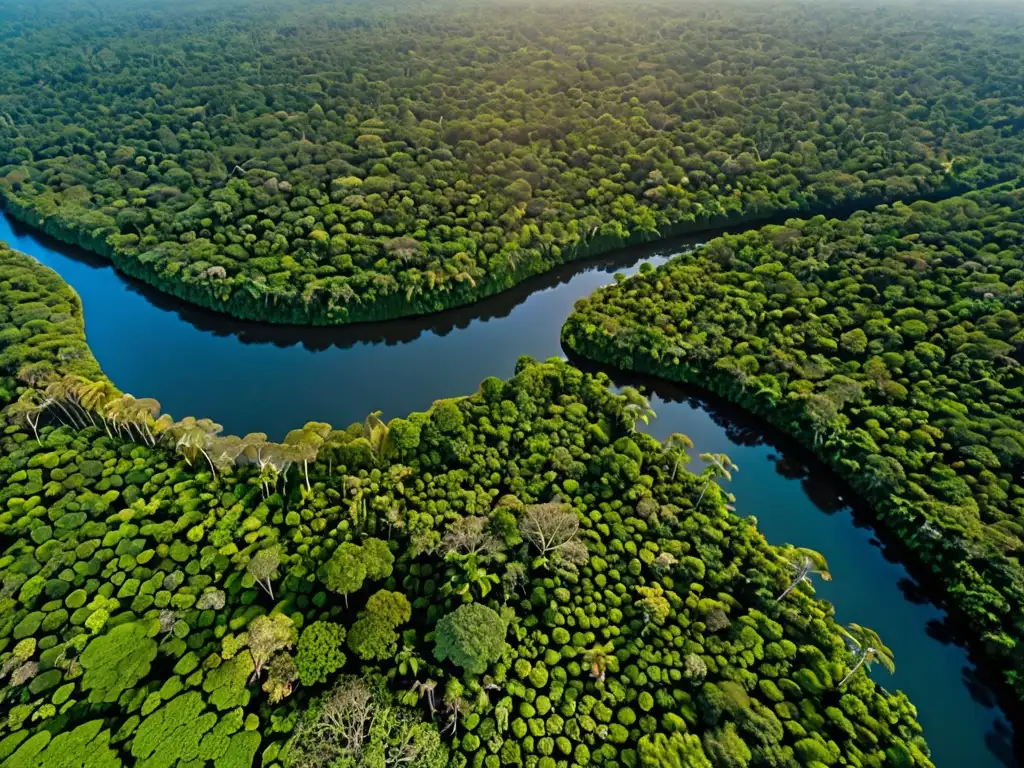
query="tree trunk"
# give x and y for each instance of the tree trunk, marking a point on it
(855, 668)
(71, 419)
(210, 462)
(701, 497)
(789, 589)
(268, 587)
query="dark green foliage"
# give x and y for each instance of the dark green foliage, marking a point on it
(437, 153)
(889, 344)
(660, 619)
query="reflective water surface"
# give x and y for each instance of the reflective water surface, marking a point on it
(252, 377)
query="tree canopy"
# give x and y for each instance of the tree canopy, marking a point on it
(890, 343)
(129, 592)
(327, 164)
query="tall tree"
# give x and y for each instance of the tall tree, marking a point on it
(268, 635)
(263, 567)
(867, 648)
(718, 466)
(345, 572)
(637, 407)
(553, 529)
(804, 563)
(307, 442)
(675, 450)
(193, 437)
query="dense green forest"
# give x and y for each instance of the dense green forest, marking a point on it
(891, 343)
(316, 162)
(517, 578)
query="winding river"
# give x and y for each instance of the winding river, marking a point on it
(253, 377)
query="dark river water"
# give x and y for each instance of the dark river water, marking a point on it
(251, 377)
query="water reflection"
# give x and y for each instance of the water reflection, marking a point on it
(279, 377)
(282, 376)
(389, 332)
(788, 489)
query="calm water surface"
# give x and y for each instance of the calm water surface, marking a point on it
(251, 377)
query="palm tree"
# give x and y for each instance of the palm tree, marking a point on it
(376, 433)
(805, 564)
(675, 450)
(57, 391)
(193, 437)
(718, 465)
(127, 411)
(471, 574)
(29, 408)
(407, 661)
(141, 412)
(78, 389)
(307, 443)
(94, 395)
(113, 413)
(867, 648)
(637, 407)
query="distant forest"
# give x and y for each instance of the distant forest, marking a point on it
(328, 163)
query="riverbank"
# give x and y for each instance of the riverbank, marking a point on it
(836, 515)
(242, 300)
(936, 576)
(272, 378)
(636, 327)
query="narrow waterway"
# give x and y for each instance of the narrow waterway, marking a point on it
(251, 377)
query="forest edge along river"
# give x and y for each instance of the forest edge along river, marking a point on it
(249, 376)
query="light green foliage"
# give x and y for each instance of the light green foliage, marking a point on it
(678, 750)
(263, 567)
(345, 572)
(86, 746)
(319, 652)
(268, 635)
(226, 685)
(215, 741)
(117, 660)
(377, 559)
(240, 752)
(471, 637)
(373, 635)
(173, 733)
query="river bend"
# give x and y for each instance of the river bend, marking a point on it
(253, 377)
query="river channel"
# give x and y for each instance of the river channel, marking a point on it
(253, 377)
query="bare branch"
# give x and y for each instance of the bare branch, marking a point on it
(553, 529)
